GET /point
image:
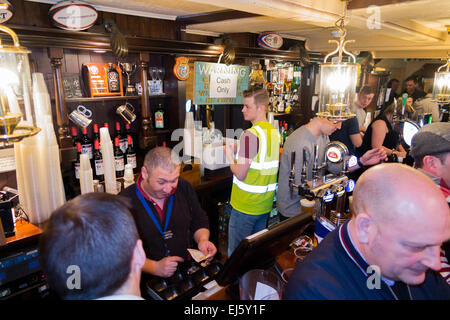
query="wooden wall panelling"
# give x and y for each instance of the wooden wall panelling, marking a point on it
(122, 23)
(8, 179)
(171, 88)
(144, 27)
(133, 26)
(36, 14)
(19, 12)
(70, 62)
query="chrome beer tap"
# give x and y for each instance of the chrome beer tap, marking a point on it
(292, 175)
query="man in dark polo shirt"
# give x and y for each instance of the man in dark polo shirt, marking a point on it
(167, 212)
(349, 135)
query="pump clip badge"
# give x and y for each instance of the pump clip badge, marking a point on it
(181, 68)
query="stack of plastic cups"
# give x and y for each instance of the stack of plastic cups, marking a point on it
(108, 161)
(86, 179)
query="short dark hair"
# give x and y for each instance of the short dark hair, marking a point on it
(389, 84)
(95, 232)
(161, 157)
(260, 95)
(418, 161)
(412, 78)
(366, 90)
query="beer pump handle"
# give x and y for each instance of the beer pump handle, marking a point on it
(404, 98)
(304, 167)
(394, 117)
(315, 161)
(345, 166)
(292, 175)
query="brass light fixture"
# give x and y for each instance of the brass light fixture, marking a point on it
(17, 118)
(338, 79)
(441, 87)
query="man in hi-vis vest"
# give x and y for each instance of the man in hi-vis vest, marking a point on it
(255, 169)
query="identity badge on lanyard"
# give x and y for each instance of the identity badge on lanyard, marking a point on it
(165, 234)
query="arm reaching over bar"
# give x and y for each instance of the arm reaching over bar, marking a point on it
(240, 167)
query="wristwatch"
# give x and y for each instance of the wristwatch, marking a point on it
(360, 164)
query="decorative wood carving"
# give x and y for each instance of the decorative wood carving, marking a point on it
(147, 139)
(56, 55)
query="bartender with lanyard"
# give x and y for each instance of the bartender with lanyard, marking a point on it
(166, 211)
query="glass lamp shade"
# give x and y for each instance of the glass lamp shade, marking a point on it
(17, 116)
(441, 90)
(337, 90)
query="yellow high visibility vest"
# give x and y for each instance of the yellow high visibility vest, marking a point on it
(254, 195)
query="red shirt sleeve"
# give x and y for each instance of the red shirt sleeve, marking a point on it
(248, 145)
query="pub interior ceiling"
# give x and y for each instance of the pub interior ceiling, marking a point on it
(387, 28)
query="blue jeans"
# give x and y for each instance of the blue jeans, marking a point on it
(242, 225)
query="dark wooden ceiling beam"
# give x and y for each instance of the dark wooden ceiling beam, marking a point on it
(214, 16)
(35, 37)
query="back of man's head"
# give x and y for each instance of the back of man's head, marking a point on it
(87, 246)
(395, 191)
(260, 95)
(432, 139)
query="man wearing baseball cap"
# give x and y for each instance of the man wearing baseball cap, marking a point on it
(430, 148)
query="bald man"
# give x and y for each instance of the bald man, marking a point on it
(389, 250)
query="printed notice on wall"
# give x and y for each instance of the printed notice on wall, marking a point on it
(217, 83)
(222, 85)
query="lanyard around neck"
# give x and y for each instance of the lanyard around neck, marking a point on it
(152, 215)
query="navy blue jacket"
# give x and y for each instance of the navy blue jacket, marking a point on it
(334, 270)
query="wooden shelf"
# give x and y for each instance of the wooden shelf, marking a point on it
(112, 98)
(280, 114)
(162, 131)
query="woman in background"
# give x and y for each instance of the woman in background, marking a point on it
(381, 134)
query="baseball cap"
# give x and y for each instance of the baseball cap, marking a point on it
(431, 139)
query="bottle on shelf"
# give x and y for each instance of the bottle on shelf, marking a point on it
(98, 162)
(285, 132)
(106, 125)
(131, 154)
(129, 133)
(289, 77)
(297, 77)
(96, 132)
(280, 106)
(118, 158)
(159, 117)
(76, 163)
(75, 137)
(86, 144)
(122, 138)
(128, 130)
(113, 79)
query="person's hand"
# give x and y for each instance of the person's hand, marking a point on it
(229, 151)
(401, 154)
(373, 156)
(167, 266)
(207, 248)
(409, 105)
